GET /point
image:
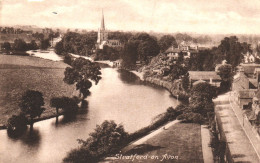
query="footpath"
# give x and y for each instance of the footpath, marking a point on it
(240, 148)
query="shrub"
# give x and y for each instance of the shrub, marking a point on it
(16, 125)
(190, 117)
(106, 139)
(67, 59)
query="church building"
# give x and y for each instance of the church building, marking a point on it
(102, 38)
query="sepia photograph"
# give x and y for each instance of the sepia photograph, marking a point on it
(129, 81)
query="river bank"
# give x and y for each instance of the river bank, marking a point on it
(170, 86)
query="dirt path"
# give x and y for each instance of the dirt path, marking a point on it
(206, 149)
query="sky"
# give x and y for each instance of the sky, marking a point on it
(166, 16)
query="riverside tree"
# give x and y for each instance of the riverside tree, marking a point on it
(16, 125)
(81, 73)
(31, 104)
(68, 105)
(106, 139)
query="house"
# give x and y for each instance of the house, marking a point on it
(210, 77)
(172, 52)
(249, 58)
(183, 49)
(240, 82)
(245, 97)
(255, 114)
(249, 69)
(113, 43)
(117, 63)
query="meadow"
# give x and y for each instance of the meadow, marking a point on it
(20, 73)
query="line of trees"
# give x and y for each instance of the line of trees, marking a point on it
(20, 45)
(230, 49)
(81, 44)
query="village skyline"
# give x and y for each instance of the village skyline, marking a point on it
(221, 17)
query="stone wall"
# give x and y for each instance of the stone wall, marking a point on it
(173, 87)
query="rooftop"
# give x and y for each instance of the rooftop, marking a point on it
(250, 68)
(204, 75)
(249, 93)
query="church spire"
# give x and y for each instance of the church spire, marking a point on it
(102, 22)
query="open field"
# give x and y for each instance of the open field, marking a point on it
(182, 140)
(20, 73)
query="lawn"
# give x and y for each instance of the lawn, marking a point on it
(182, 140)
(20, 73)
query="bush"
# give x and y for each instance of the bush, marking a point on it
(67, 59)
(16, 125)
(107, 138)
(190, 117)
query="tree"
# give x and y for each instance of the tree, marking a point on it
(6, 46)
(177, 71)
(67, 59)
(68, 105)
(17, 124)
(204, 91)
(123, 37)
(129, 55)
(59, 48)
(226, 74)
(106, 139)
(201, 98)
(58, 103)
(185, 81)
(166, 41)
(81, 44)
(232, 49)
(45, 44)
(147, 48)
(19, 45)
(31, 104)
(32, 45)
(81, 72)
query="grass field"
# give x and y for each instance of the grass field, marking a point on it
(20, 73)
(182, 140)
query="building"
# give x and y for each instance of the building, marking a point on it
(249, 69)
(240, 82)
(255, 114)
(102, 38)
(249, 58)
(245, 97)
(183, 49)
(210, 77)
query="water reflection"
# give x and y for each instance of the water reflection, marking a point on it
(32, 138)
(128, 77)
(119, 96)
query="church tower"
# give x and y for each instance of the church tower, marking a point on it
(102, 33)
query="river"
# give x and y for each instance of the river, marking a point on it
(119, 96)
